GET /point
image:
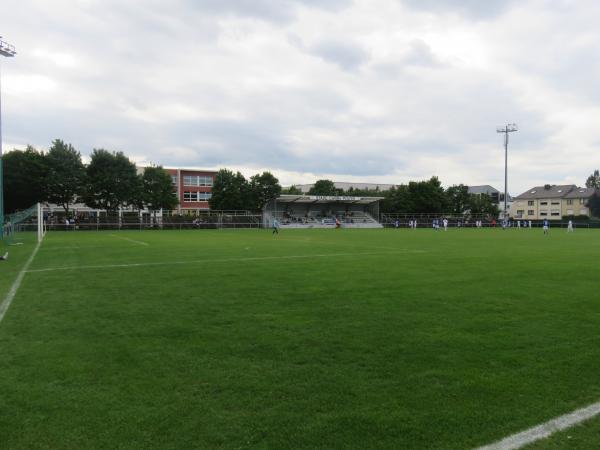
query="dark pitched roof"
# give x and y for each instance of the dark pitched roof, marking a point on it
(581, 193)
(555, 191)
(484, 189)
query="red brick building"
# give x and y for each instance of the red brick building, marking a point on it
(193, 187)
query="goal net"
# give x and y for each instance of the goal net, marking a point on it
(26, 225)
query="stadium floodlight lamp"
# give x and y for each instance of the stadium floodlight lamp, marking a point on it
(9, 51)
(506, 129)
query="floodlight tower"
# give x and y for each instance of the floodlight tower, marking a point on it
(9, 51)
(506, 129)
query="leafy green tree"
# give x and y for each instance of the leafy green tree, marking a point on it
(292, 190)
(25, 174)
(263, 188)
(352, 192)
(324, 187)
(594, 204)
(483, 204)
(458, 198)
(397, 200)
(66, 174)
(593, 180)
(112, 181)
(428, 196)
(157, 189)
(230, 191)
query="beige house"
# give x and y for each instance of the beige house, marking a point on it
(552, 202)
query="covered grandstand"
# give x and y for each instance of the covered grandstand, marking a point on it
(318, 211)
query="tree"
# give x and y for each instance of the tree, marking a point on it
(594, 204)
(459, 198)
(230, 191)
(112, 181)
(66, 174)
(263, 188)
(482, 204)
(324, 187)
(157, 189)
(397, 200)
(292, 190)
(428, 196)
(593, 180)
(25, 174)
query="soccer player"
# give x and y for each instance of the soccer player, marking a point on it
(570, 227)
(397, 223)
(275, 226)
(530, 224)
(445, 222)
(546, 226)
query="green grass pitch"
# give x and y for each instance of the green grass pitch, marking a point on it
(309, 339)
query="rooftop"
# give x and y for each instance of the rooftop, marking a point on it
(547, 191)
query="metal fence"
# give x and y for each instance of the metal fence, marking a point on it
(148, 221)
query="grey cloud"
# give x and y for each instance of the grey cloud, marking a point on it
(473, 8)
(347, 56)
(269, 10)
(420, 54)
(417, 54)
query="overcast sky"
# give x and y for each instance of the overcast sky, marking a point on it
(352, 90)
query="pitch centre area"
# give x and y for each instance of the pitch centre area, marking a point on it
(307, 339)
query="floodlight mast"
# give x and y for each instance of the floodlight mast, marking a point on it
(509, 128)
(9, 51)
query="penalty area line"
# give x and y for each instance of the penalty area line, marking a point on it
(17, 283)
(546, 429)
(222, 260)
(129, 239)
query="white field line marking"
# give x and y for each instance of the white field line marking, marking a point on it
(15, 286)
(212, 261)
(130, 240)
(546, 429)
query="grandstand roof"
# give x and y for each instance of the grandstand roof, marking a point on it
(327, 199)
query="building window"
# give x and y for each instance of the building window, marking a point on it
(543, 203)
(197, 180)
(583, 212)
(556, 203)
(520, 212)
(543, 213)
(196, 196)
(531, 212)
(570, 201)
(530, 203)
(555, 212)
(174, 180)
(582, 201)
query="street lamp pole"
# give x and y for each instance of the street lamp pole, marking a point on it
(506, 129)
(9, 51)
